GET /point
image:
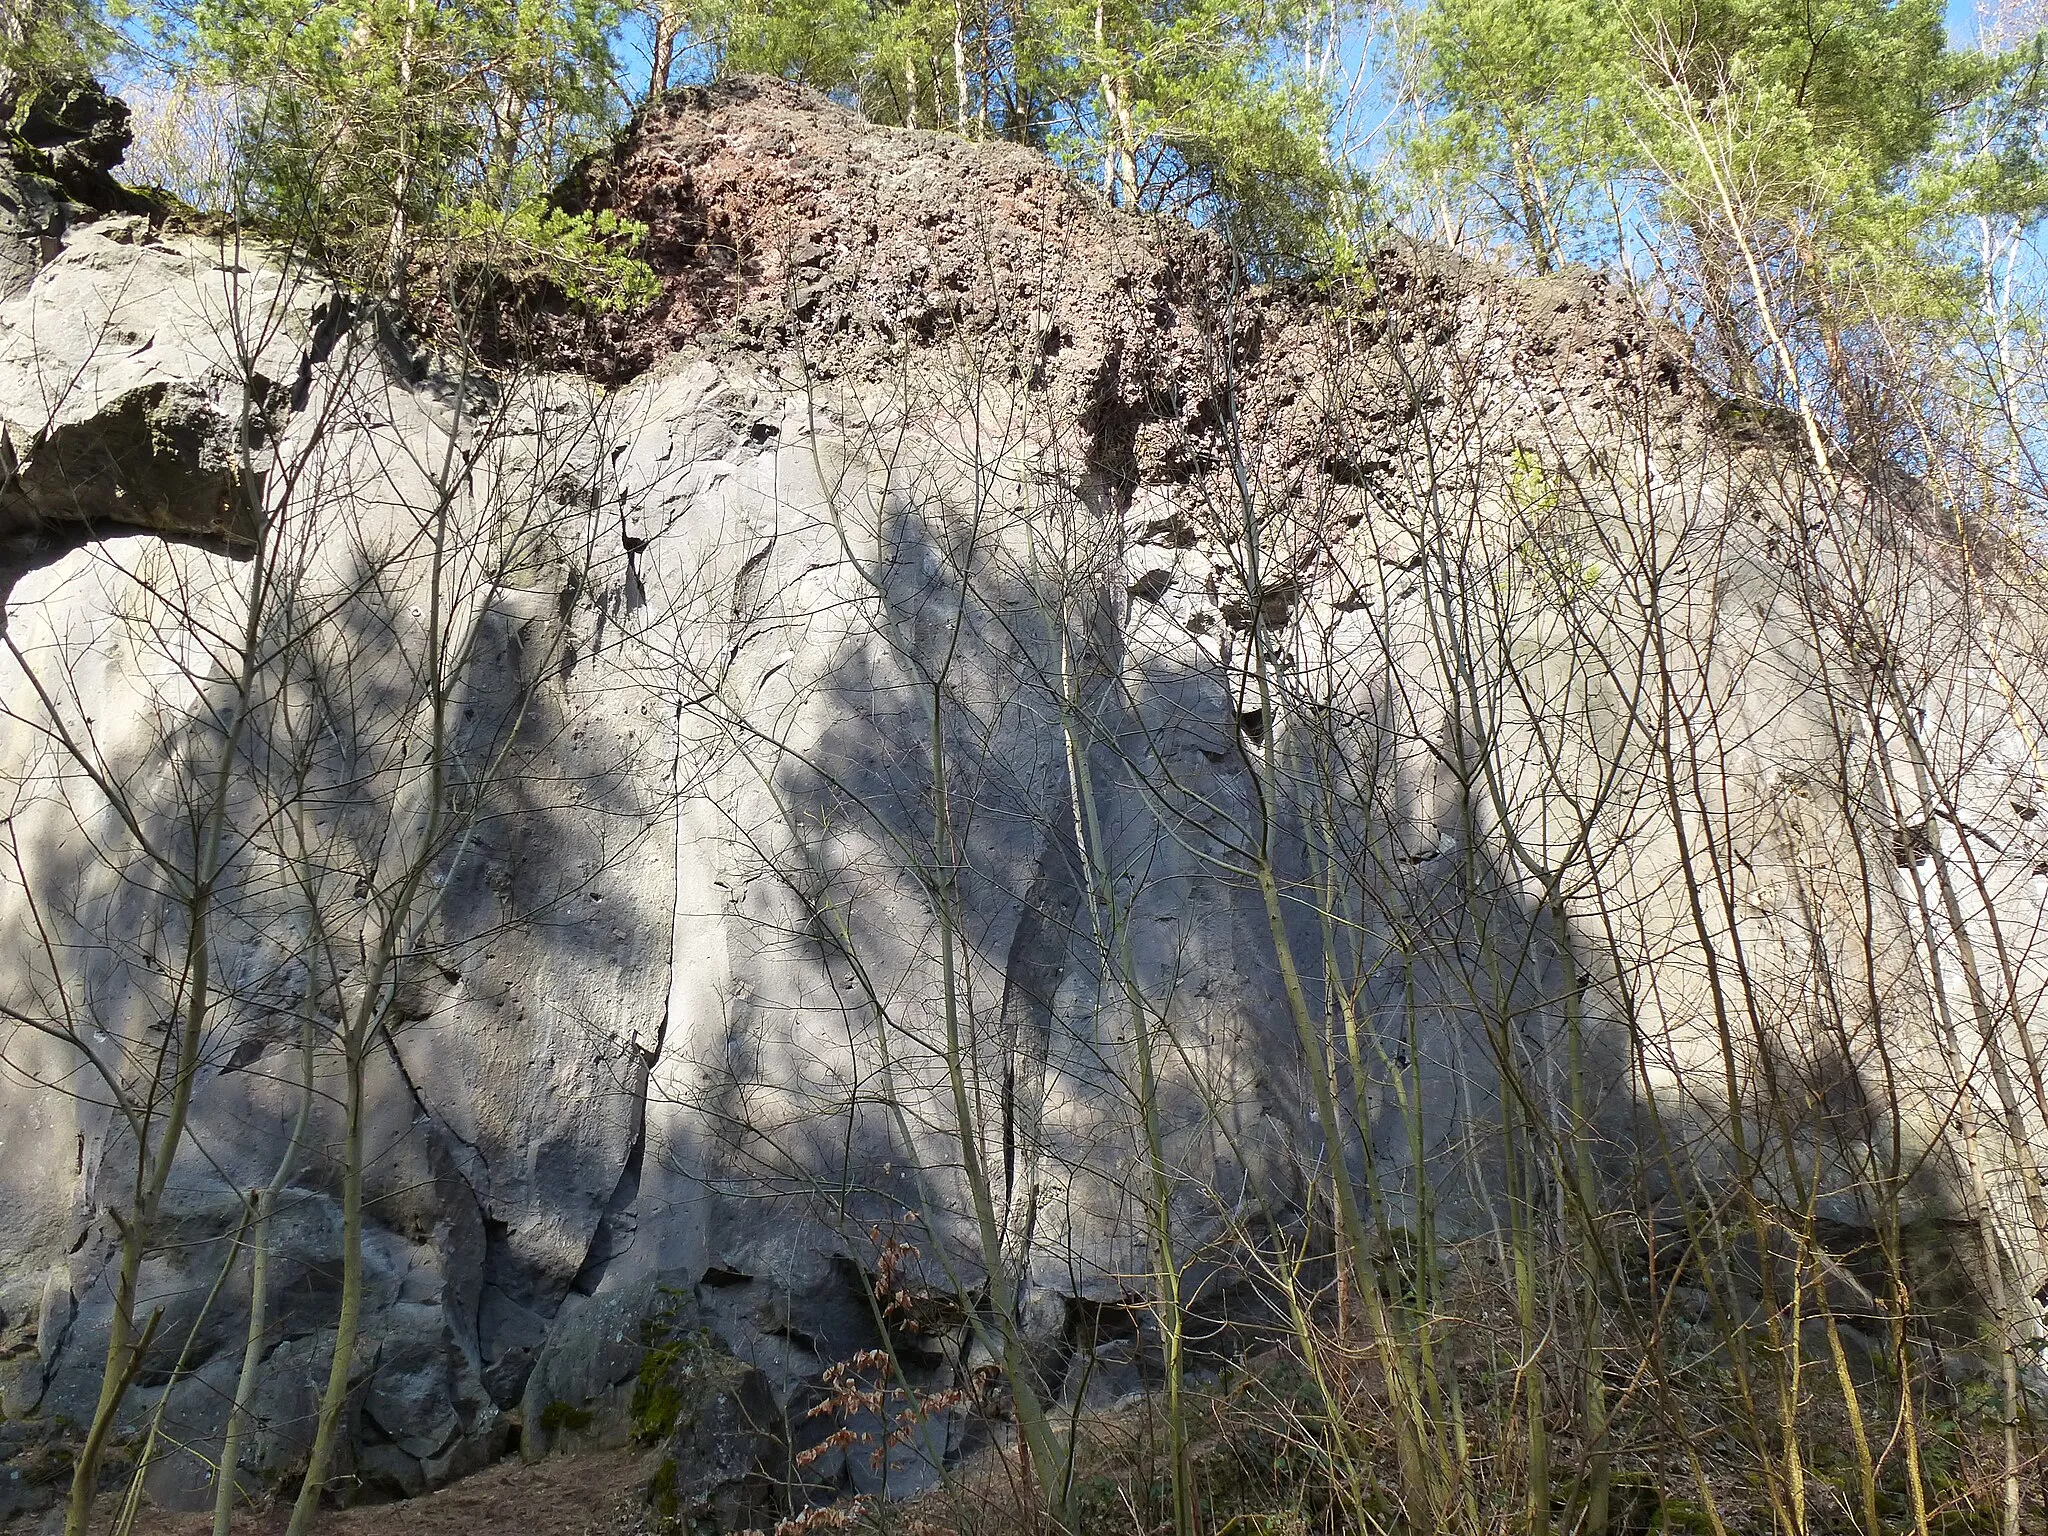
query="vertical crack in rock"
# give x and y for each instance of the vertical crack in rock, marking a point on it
(1049, 924)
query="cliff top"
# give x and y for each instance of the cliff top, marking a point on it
(783, 223)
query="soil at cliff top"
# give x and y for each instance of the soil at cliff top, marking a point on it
(595, 1495)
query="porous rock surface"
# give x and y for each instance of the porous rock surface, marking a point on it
(917, 426)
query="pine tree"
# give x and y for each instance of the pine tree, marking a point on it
(385, 133)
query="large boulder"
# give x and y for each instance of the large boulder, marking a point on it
(61, 140)
(721, 1433)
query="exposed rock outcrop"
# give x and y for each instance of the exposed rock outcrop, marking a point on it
(930, 483)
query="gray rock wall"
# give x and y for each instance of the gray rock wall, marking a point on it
(1570, 751)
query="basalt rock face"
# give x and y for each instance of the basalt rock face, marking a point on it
(141, 432)
(60, 142)
(959, 630)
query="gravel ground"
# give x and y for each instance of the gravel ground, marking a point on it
(594, 1495)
